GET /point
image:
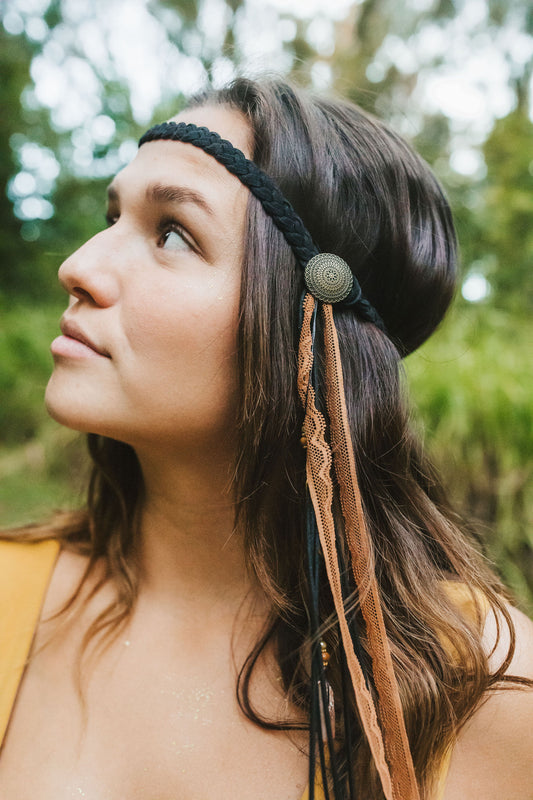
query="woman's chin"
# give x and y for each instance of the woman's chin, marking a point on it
(64, 408)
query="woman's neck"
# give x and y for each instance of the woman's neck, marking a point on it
(190, 552)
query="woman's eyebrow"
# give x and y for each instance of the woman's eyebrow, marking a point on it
(162, 193)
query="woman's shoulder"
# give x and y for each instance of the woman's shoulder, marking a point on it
(493, 755)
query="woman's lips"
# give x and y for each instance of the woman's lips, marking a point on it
(74, 343)
(73, 348)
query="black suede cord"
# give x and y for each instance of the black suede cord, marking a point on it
(263, 187)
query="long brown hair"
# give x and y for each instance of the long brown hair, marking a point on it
(366, 196)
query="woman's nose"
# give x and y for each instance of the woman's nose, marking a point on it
(89, 273)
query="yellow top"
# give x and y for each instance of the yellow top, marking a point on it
(24, 577)
(25, 573)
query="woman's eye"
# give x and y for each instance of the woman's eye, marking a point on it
(173, 239)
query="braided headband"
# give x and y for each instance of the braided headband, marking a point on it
(328, 277)
(331, 483)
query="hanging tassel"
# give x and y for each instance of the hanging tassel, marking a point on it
(319, 463)
(390, 709)
(385, 732)
(322, 711)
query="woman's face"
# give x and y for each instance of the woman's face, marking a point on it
(148, 353)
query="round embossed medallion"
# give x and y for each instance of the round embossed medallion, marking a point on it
(328, 278)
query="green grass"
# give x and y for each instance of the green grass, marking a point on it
(26, 363)
(472, 384)
(40, 462)
(41, 475)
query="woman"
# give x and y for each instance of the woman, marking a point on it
(212, 627)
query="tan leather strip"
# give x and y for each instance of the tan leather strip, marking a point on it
(319, 480)
(390, 709)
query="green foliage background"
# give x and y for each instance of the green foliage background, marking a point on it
(471, 384)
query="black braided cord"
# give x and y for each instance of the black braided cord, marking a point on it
(263, 187)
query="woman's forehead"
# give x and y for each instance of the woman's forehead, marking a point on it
(169, 164)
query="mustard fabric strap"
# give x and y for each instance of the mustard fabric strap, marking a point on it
(25, 570)
(467, 600)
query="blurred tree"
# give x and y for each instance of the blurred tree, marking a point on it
(379, 63)
(506, 217)
(17, 251)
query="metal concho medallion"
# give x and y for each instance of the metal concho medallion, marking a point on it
(328, 278)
